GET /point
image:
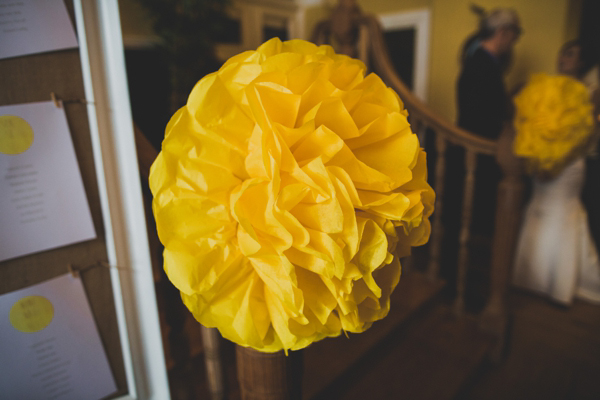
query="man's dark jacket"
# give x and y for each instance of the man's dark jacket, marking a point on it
(482, 98)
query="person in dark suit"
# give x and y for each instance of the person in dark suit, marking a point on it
(483, 102)
(483, 107)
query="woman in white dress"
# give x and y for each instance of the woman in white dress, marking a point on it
(556, 255)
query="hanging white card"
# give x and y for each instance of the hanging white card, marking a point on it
(42, 199)
(34, 26)
(49, 344)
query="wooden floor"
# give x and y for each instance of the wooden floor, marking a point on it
(426, 360)
(554, 354)
(329, 364)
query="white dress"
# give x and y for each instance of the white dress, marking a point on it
(556, 255)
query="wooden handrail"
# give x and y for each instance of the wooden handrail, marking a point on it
(417, 109)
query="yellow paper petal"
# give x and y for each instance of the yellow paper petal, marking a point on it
(553, 119)
(283, 188)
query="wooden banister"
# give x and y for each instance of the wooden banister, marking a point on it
(423, 119)
(510, 190)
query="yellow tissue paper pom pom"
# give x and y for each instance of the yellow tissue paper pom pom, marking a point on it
(553, 119)
(283, 189)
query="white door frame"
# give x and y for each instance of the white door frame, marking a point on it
(420, 21)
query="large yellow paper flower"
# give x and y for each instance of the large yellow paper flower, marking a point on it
(282, 190)
(554, 118)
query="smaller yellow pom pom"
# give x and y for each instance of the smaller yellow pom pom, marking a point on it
(553, 119)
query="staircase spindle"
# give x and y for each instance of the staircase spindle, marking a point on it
(465, 231)
(494, 318)
(418, 127)
(433, 269)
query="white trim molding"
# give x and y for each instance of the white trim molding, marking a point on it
(115, 159)
(420, 21)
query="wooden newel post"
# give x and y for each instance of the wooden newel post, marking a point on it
(507, 225)
(269, 376)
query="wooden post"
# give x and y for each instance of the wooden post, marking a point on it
(465, 233)
(269, 376)
(437, 234)
(507, 225)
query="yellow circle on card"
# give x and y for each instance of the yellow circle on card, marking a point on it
(16, 135)
(31, 314)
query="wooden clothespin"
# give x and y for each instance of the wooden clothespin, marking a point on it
(55, 100)
(73, 271)
(105, 264)
(76, 272)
